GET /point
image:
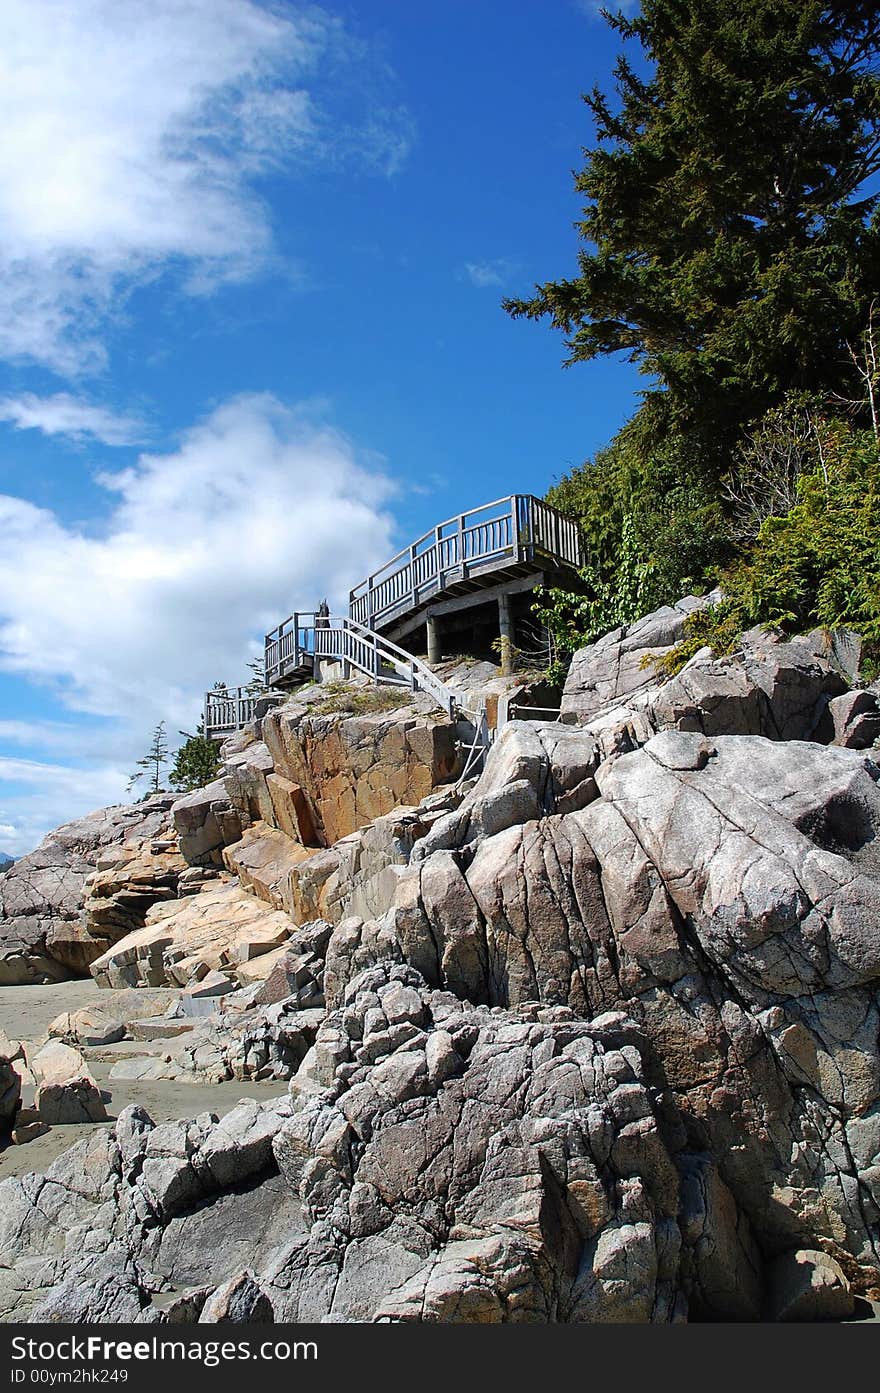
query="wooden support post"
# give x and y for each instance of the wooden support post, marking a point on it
(433, 642)
(505, 628)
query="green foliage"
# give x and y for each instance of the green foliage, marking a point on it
(726, 244)
(654, 526)
(152, 764)
(717, 628)
(728, 247)
(196, 763)
(818, 566)
(574, 619)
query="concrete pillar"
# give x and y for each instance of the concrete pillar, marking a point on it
(434, 653)
(505, 629)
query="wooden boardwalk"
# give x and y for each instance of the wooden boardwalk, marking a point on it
(460, 555)
(489, 553)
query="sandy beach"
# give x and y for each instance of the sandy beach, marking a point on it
(25, 1013)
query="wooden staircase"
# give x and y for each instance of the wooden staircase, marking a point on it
(498, 549)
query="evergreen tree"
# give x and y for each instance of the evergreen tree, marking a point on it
(196, 763)
(728, 246)
(257, 681)
(152, 764)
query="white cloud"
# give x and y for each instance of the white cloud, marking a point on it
(63, 414)
(262, 509)
(133, 133)
(35, 797)
(489, 273)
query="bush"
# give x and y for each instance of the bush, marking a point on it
(652, 518)
(817, 566)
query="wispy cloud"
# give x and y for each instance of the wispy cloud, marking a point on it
(134, 134)
(65, 415)
(33, 792)
(484, 274)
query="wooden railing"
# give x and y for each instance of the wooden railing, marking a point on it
(510, 530)
(228, 709)
(290, 647)
(344, 640)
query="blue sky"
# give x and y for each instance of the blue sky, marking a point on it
(251, 263)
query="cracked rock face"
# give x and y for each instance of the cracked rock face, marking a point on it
(478, 1166)
(43, 929)
(595, 1039)
(791, 689)
(726, 895)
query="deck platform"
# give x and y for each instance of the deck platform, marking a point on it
(491, 554)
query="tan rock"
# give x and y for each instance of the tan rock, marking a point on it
(258, 969)
(184, 940)
(354, 769)
(16, 1051)
(263, 859)
(108, 1019)
(808, 1285)
(66, 1091)
(292, 809)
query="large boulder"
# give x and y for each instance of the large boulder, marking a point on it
(620, 664)
(781, 688)
(107, 1019)
(116, 898)
(206, 822)
(263, 860)
(66, 1091)
(43, 932)
(182, 940)
(856, 718)
(726, 893)
(353, 769)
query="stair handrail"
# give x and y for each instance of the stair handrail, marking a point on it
(418, 673)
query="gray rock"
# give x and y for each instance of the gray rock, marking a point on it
(107, 1289)
(240, 1300)
(206, 821)
(613, 669)
(10, 1094)
(241, 1143)
(41, 911)
(808, 1286)
(856, 717)
(66, 1092)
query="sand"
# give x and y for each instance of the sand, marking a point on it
(25, 1013)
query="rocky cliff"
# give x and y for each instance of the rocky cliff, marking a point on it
(592, 1038)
